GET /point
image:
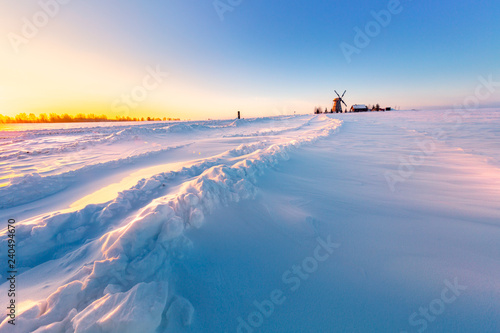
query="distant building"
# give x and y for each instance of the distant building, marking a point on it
(337, 105)
(359, 108)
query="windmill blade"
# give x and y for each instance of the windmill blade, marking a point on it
(337, 93)
(344, 102)
(344, 93)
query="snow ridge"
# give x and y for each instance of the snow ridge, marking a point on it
(126, 286)
(33, 186)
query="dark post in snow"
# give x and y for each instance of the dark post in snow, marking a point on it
(239, 115)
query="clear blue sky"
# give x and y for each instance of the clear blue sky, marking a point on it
(265, 57)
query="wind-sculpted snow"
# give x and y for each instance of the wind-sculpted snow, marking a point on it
(130, 243)
(28, 156)
(34, 186)
(233, 229)
(271, 130)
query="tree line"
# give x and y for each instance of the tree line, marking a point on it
(66, 118)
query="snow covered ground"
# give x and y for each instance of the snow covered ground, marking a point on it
(371, 222)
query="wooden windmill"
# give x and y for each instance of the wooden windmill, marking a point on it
(337, 106)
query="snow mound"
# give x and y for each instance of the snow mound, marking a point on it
(31, 187)
(128, 285)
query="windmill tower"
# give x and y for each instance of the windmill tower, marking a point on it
(337, 106)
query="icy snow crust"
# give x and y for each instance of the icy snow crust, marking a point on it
(123, 248)
(35, 164)
(184, 227)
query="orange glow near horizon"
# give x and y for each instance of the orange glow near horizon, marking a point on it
(68, 118)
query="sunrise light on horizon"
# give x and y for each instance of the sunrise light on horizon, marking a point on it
(264, 58)
(249, 166)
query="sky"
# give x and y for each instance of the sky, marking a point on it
(197, 59)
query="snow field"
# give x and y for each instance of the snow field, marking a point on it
(126, 283)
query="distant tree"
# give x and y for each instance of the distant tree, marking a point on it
(43, 118)
(53, 118)
(22, 118)
(4, 119)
